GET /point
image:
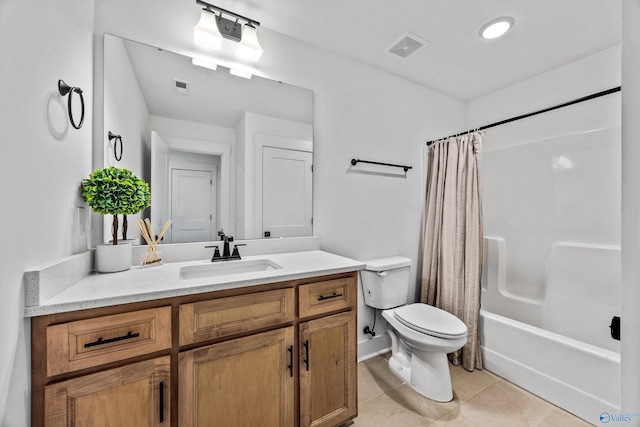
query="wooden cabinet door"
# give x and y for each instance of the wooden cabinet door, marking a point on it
(328, 376)
(246, 382)
(135, 395)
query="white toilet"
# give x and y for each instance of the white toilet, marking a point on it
(421, 335)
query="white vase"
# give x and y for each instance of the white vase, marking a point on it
(134, 242)
(111, 258)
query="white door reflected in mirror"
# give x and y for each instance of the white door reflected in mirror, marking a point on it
(286, 192)
(192, 205)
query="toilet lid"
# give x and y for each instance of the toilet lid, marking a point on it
(430, 320)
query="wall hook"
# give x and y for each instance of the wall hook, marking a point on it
(65, 89)
(117, 138)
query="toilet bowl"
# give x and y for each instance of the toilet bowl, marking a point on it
(421, 335)
(419, 351)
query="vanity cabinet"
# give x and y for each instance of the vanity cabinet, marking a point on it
(243, 382)
(280, 354)
(327, 352)
(328, 374)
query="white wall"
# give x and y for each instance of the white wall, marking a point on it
(358, 112)
(574, 80)
(630, 317)
(42, 161)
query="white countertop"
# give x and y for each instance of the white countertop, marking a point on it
(163, 281)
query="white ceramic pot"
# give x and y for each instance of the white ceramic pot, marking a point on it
(134, 242)
(111, 258)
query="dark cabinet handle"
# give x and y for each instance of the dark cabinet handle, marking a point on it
(334, 295)
(290, 366)
(306, 352)
(161, 402)
(100, 341)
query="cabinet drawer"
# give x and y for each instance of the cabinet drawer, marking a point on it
(327, 296)
(205, 320)
(85, 343)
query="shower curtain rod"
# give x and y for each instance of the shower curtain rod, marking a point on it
(524, 116)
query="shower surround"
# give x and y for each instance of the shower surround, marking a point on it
(551, 279)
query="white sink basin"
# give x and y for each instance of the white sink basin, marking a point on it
(227, 268)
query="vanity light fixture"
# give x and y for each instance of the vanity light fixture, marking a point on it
(249, 48)
(496, 27)
(213, 27)
(205, 64)
(206, 32)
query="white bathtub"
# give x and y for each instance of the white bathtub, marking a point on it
(576, 376)
(557, 346)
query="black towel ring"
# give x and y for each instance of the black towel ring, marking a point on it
(64, 89)
(117, 138)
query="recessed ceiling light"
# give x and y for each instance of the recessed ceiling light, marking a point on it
(496, 27)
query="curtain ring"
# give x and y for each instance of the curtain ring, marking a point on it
(117, 138)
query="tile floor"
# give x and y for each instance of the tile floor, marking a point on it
(480, 399)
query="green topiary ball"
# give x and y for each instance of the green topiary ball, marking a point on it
(116, 191)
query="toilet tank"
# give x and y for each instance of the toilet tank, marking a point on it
(385, 282)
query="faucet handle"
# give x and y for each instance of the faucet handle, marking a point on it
(216, 252)
(235, 253)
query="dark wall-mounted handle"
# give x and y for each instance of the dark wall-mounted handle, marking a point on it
(290, 365)
(333, 295)
(100, 341)
(614, 327)
(306, 354)
(65, 89)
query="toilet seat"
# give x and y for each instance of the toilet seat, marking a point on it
(430, 320)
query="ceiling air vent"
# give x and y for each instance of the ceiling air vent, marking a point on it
(406, 45)
(181, 87)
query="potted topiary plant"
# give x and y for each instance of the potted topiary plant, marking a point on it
(141, 202)
(115, 191)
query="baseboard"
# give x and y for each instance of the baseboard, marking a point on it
(372, 347)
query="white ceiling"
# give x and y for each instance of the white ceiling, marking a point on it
(546, 35)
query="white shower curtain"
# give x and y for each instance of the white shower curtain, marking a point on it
(452, 253)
